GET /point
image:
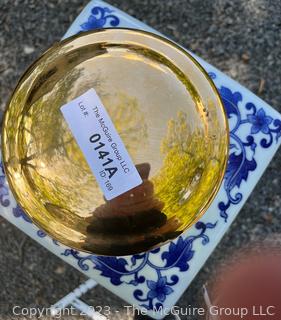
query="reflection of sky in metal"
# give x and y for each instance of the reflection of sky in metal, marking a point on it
(145, 85)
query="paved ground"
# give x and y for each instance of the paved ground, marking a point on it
(242, 38)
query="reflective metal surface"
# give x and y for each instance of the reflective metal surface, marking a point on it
(165, 109)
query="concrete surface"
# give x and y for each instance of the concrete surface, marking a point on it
(242, 38)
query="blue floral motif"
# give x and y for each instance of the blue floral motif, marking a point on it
(3, 188)
(158, 289)
(99, 17)
(41, 233)
(4, 191)
(18, 212)
(120, 270)
(212, 75)
(230, 101)
(245, 166)
(260, 122)
(241, 162)
(107, 264)
(181, 252)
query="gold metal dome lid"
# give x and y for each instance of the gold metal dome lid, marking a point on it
(167, 114)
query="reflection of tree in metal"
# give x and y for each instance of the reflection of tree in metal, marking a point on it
(49, 146)
(188, 173)
(128, 120)
(44, 147)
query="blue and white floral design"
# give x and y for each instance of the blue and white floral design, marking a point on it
(154, 279)
(158, 289)
(260, 122)
(121, 270)
(18, 212)
(240, 164)
(99, 17)
(4, 191)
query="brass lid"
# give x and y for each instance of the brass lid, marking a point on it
(166, 110)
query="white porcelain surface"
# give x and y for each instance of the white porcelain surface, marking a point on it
(160, 277)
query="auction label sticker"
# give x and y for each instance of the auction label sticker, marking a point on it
(101, 144)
